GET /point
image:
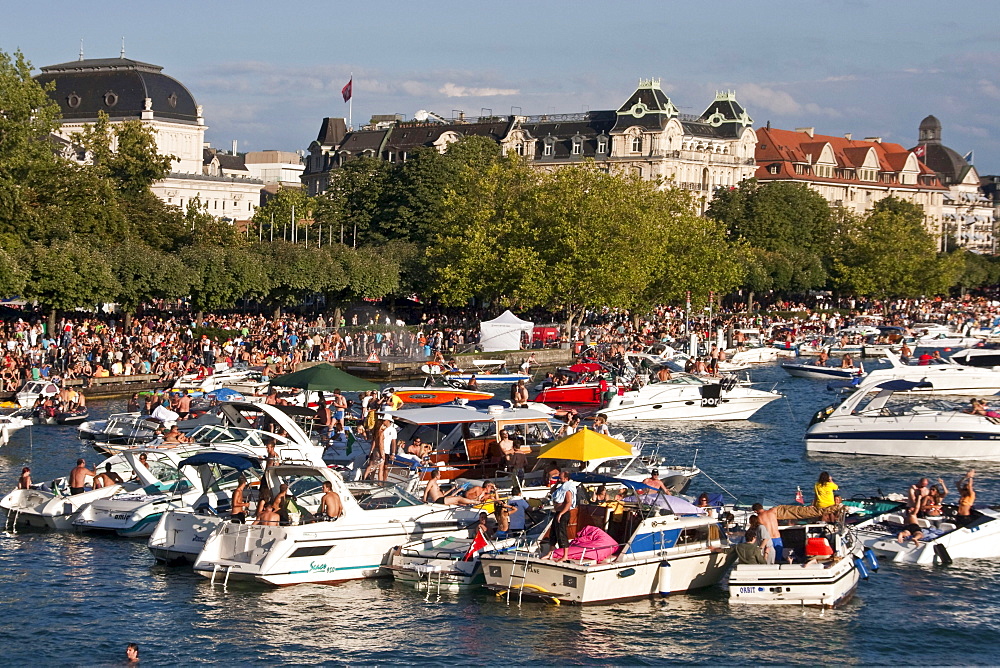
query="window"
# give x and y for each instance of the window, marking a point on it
(577, 146)
(547, 149)
(637, 144)
(519, 148)
(773, 169)
(602, 144)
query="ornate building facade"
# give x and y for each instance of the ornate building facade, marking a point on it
(127, 89)
(646, 135)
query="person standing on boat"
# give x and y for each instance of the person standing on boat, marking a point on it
(78, 477)
(339, 407)
(564, 499)
(330, 506)
(769, 520)
(823, 490)
(601, 424)
(239, 505)
(966, 494)
(519, 395)
(905, 353)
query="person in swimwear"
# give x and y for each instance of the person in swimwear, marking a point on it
(433, 493)
(78, 477)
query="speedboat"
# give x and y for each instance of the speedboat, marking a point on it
(825, 565)
(981, 357)
(120, 429)
(487, 371)
(376, 518)
(50, 505)
(10, 423)
(758, 355)
(28, 395)
(933, 335)
(238, 378)
(819, 372)
(865, 424)
(647, 545)
(688, 397)
(942, 539)
(944, 377)
(186, 477)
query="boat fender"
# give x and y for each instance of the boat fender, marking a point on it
(872, 560)
(663, 578)
(859, 563)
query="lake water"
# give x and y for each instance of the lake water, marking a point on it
(78, 600)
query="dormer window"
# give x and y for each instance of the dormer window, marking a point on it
(637, 144)
(602, 144)
(577, 145)
(547, 147)
(519, 148)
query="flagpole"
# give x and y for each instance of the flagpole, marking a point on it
(350, 106)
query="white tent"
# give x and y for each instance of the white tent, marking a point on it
(503, 332)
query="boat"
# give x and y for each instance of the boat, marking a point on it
(933, 335)
(452, 563)
(34, 390)
(656, 545)
(865, 424)
(943, 538)
(12, 422)
(431, 394)
(944, 377)
(986, 358)
(584, 395)
(50, 505)
(120, 429)
(238, 378)
(826, 564)
(376, 518)
(758, 355)
(688, 397)
(185, 477)
(487, 371)
(819, 372)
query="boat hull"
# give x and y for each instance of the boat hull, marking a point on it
(687, 408)
(434, 396)
(816, 372)
(949, 435)
(980, 540)
(812, 584)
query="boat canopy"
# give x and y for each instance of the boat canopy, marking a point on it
(595, 478)
(238, 462)
(901, 385)
(456, 414)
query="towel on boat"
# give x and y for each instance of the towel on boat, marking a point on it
(590, 543)
(793, 512)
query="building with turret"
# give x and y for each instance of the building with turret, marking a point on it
(968, 216)
(646, 135)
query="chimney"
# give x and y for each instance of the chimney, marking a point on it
(234, 147)
(809, 131)
(848, 135)
(877, 140)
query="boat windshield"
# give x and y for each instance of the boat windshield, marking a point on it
(682, 379)
(307, 489)
(226, 478)
(167, 476)
(223, 434)
(378, 495)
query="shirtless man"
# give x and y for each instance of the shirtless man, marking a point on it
(654, 481)
(481, 494)
(339, 407)
(238, 512)
(330, 506)
(184, 406)
(107, 478)
(24, 482)
(433, 493)
(268, 516)
(769, 520)
(519, 395)
(78, 477)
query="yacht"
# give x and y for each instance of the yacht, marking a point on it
(944, 377)
(820, 372)
(980, 357)
(34, 390)
(376, 518)
(656, 545)
(866, 424)
(238, 378)
(50, 505)
(688, 397)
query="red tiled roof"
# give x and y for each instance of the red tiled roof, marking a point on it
(786, 147)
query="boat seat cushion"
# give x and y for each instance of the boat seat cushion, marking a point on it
(946, 526)
(894, 519)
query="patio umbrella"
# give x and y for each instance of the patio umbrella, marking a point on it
(585, 445)
(323, 377)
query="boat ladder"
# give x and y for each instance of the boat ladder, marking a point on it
(430, 575)
(216, 568)
(514, 576)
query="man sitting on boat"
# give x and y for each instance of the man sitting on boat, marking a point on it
(433, 493)
(330, 505)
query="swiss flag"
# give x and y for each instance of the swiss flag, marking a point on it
(799, 496)
(347, 90)
(479, 543)
(920, 151)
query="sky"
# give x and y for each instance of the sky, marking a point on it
(267, 73)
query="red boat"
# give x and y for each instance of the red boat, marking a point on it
(580, 394)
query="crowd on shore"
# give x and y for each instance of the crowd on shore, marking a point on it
(168, 345)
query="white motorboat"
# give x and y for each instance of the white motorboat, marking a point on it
(942, 539)
(186, 477)
(34, 390)
(942, 378)
(487, 372)
(120, 429)
(819, 372)
(946, 340)
(759, 355)
(865, 424)
(12, 422)
(688, 397)
(656, 545)
(827, 562)
(376, 518)
(986, 358)
(238, 378)
(51, 505)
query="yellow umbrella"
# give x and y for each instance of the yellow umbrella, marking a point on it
(585, 445)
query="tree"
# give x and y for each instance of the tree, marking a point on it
(273, 218)
(144, 274)
(66, 275)
(888, 253)
(294, 272)
(13, 276)
(222, 275)
(790, 221)
(354, 203)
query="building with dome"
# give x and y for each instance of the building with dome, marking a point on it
(127, 89)
(967, 213)
(646, 136)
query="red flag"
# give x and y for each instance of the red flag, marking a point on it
(478, 544)
(347, 90)
(798, 495)
(920, 150)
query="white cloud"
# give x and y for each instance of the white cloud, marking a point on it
(780, 102)
(989, 89)
(454, 90)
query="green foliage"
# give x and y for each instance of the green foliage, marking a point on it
(354, 199)
(65, 275)
(790, 223)
(294, 271)
(278, 211)
(13, 276)
(220, 276)
(367, 273)
(888, 253)
(144, 273)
